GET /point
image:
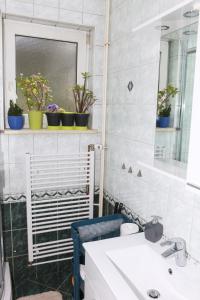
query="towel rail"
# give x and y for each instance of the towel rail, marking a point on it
(52, 173)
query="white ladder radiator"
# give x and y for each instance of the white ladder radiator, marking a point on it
(60, 191)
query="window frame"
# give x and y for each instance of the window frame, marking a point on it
(13, 28)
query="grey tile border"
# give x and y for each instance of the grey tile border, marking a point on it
(126, 210)
(12, 198)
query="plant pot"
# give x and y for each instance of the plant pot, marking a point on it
(67, 119)
(157, 121)
(53, 120)
(16, 122)
(163, 122)
(35, 119)
(81, 121)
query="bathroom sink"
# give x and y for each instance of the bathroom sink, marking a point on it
(150, 276)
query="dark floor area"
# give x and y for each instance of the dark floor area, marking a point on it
(29, 280)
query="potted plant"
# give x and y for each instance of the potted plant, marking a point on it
(164, 105)
(37, 93)
(68, 119)
(15, 116)
(84, 99)
(53, 114)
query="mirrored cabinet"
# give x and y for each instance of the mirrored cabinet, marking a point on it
(177, 119)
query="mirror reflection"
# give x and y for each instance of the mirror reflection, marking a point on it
(175, 89)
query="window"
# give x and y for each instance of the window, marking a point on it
(59, 54)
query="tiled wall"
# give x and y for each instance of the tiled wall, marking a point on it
(131, 126)
(13, 147)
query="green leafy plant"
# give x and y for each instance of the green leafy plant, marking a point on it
(36, 90)
(83, 97)
(164, 106)
(14, 109)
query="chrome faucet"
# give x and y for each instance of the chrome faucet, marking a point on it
(178, 250)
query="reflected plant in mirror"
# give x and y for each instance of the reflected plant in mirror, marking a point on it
(164, 105)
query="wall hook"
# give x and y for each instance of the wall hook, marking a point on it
(130, 170)
(123, 166)
(139, 174)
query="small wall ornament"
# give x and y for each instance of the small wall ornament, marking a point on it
(130, 86)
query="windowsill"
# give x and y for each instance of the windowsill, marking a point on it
(171, 168)
(46, 131)
(168, 129)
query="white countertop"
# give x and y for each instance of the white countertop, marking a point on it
(97, 251)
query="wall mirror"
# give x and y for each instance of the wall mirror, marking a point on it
(178, 46)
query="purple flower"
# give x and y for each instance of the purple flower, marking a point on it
(53, 107)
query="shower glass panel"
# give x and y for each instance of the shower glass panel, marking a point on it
(186, 108)
(56, 60)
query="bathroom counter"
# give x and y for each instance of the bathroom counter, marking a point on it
(104, 281)
(115, 287)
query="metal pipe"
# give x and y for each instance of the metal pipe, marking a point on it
(104, 104)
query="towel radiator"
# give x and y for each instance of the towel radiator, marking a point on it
(49, 218)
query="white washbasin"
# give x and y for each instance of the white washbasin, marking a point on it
(144, 269)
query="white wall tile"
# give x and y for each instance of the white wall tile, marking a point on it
(17, 178)
(46, 12)
(94, 6)
(195, 229)
(168, 4)
(72, 17)
(96, 117)
(68, 143)
(98, 23)
(4, 179)
(3, 5)
(24, 8)
(4, 157)
(53, 3)
(76, 5)
(98, 53)
(115, 4)
(87, 139)
(45, 144)
(19, 145)
(97, 87)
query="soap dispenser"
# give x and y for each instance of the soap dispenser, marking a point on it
(153, 230)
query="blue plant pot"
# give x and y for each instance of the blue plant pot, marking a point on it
(157, 121)
(163, 122)
(16, 122)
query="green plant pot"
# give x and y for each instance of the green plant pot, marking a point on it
(81, 121)
(35, 119)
